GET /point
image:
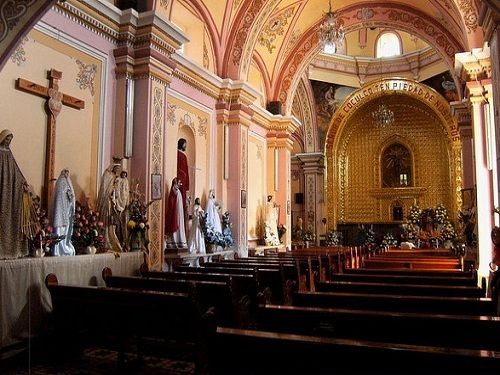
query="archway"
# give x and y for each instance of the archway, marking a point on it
(437, 125)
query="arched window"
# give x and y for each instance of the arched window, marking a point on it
(388, 44)
(396, 166)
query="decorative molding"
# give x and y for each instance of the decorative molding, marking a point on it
(11, 11)
(171, 113)
(202, 126)
(86, 76)
(156, 162)
(274, 28)
(19, 55)
(469, 14)
(164, 3)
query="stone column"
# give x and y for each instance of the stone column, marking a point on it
(280, 145)
(461, 111)
(234, 116)
(313, 165)
(143, 66)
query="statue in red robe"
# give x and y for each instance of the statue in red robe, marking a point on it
(174, 218)
(183, 175)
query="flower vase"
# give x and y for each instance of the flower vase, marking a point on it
(306, 244)
(90, 249)
(136, 241)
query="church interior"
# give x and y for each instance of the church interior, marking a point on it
(318, 142)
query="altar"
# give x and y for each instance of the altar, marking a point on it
(25, 302)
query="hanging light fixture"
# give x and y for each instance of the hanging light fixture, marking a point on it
(331, 31)
(383, 116)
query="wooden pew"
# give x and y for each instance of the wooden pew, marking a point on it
(404, 279)
(413, 272)
(397, 303)
(261, 352)
(412, 264)
(454, 331)
(208, 293)
(270, 278)
(115, 316)
(400, 289)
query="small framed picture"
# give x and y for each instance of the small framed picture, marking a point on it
(243, 199)
(156, 187)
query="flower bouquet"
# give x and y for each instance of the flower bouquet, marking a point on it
(333, 238)
(88, 230)
(41, 242)
(137, 224)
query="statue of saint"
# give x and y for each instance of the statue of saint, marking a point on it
(271, 223)
(64, 214)
(12, 187)
(174, 220)
(183, 175)
(212, 212)
(106, 205)
(122, 198)
(196, 241)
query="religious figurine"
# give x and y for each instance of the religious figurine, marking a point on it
(121, 200)
(174, 220)
(106, 205)
(183, 176)
(12, 187)
(196, 241)
(64, 214)
(213, 217)
(271, 223)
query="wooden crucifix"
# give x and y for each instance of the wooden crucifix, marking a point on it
(55, 101)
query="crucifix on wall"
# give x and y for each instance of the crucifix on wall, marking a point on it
(55, 101)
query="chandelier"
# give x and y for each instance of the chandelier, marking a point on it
(331, 31)
(383, 116)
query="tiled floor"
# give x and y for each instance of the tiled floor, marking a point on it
(96, 361)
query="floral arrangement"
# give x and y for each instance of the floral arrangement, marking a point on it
(389, 241)
(308, 235)
(429, 226)
(414, 215)
(88, 230)
(440, 214)
(137, 224)
(369, 240)
(227, 236)
(44, 238)
(270, 237)
(281, 231)
(212, 237)
(333, 238)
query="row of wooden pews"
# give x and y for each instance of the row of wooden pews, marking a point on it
(315, 311)
(394, 320)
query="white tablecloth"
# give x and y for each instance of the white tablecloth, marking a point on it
(25, 301)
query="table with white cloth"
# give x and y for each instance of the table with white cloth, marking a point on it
(25, 302)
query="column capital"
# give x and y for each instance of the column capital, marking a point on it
(475, 64)
(146, 44)
(313, 162)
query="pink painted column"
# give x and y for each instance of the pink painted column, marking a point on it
(234, 116)
(280, 145)
(314, 169)
(484, 178)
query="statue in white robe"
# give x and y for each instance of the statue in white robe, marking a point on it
(213, 217)
(271, 237)
(121, 201)
(106, 205)
(64, 214)
(196, 241)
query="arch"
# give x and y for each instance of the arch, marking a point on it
(398, 16)
(401, 86)
(395, 166)
(409, 144)
(388, 35)
(243, 36)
